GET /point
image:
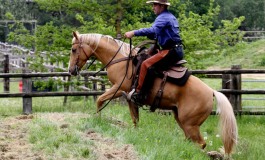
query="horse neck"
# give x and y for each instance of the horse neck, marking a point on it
(108, 50)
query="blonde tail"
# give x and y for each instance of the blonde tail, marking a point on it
(227, 121)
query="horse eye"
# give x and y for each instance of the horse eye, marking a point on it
(73, 50)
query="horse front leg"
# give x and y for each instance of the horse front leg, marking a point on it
(107, 96)
(134, 111)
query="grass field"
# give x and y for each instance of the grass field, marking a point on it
(157, 137)
(248, 55)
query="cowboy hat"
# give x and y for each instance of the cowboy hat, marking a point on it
(164, 2)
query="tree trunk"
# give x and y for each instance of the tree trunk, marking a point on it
(118, 19)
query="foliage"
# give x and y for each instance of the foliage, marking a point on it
(17, 8)
(200, 36)
(21, 35)
(197, 30)
(262, 63)
(252, 10)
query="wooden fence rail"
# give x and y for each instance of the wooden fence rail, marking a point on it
(231, 86)
(18, 58)
(27, 93)
(253, 35)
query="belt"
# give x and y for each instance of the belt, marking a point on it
(175, 46)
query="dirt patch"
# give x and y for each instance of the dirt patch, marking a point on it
(106, 148)
(14, 144)
(13, 140)
(254, 76)
(251, 76)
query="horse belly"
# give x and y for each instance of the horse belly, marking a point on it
(170, 94)
(194, 95)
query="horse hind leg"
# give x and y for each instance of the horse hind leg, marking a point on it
(175, 111)
(191, 132)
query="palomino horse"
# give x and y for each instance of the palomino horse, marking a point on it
(191, 103)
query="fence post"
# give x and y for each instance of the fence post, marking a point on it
(6, 70)
(103, 87)
(235, 99)
(86, 85)
(66, 88)
(95, 88)
(27, 88)
(226, 83)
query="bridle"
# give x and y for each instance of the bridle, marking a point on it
(80, 45)
(111, 62)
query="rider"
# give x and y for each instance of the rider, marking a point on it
(165, 30)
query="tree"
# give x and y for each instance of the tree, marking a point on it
(252, 10)
(114, 17)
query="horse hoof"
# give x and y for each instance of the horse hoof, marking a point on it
(215, 155)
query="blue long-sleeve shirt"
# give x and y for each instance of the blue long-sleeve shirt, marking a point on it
(165, 30)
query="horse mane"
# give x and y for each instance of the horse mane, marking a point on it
(94, 39)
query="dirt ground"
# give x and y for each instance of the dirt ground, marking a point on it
(13, 141)
(254, 76)
(14, 144)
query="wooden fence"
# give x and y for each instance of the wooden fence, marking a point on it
(231, 87)
(13, 55)
(27, 92)
(17, 58)
(253, 35)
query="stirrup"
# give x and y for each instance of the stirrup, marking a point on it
(128, 96)
(136, 99)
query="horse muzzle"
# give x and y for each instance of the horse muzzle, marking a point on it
(74, 70)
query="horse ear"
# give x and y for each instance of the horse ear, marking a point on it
(75, 34)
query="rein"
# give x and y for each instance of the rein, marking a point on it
(91, 63)
(109, 63)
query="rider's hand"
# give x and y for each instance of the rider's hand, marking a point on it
(129, 34)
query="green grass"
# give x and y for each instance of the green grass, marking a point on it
(157, 136)
(250, 102)
(13, 106)
(58, 142)
(248, 55)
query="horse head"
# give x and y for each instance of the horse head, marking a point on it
(81, 51)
